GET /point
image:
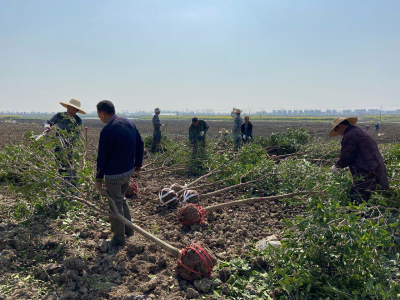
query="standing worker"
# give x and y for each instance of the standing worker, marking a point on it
(237, 137)
(197, 133)
(246, 129)
(69, 126)
(156, 131)
(120, 154)
(360, 153)
(377, 127)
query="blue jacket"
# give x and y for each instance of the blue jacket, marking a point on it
(120, 148)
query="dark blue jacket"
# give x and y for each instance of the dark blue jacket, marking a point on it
(120, 148)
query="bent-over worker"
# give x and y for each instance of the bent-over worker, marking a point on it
(197, 132)
(360, 153)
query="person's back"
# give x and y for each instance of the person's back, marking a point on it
(123, 144)
(361, 154)
(236, 124)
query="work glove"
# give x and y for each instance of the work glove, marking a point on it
(334, 169)
(201, 133)
(47, 126)
(244, 136)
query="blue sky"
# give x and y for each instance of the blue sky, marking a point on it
(200, 54)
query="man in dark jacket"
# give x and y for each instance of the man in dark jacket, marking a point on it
(120, 154)
(361, 154)
(197, 132)
(246, 129)
(156, 131)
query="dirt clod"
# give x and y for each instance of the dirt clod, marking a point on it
(149, 286)
(202, 285)
(191, 293)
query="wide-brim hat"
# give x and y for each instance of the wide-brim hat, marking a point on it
(238, 111)
(337, 121)
(74, 103)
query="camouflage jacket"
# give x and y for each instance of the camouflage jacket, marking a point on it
(236, 124)
(72, 125)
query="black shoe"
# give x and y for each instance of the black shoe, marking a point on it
(129, 233)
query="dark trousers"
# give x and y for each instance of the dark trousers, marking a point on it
(156, 141)
(363, 186)
(116, 189)
(65, 164)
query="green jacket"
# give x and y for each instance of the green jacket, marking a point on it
(194, 131)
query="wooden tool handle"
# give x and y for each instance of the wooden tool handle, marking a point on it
(174, 251)
(252, 200)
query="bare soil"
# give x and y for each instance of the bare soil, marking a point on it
(68, 257)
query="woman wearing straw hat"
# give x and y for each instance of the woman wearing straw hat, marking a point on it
(237, 137)
(69, 125)
(361, 154)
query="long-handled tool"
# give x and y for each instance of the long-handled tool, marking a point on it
(192, 214)
(86, 142)
(194, 261)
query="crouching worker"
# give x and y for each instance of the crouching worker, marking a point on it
(120, 154)
(246, 129)
(69, 125)
(197, 133)
(361, 154)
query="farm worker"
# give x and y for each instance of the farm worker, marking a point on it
(377, 127)
(246, 129)
(237, 137)
(156, 131)
(361, 154)
(120, 154)
(69, 127)
(197, 132)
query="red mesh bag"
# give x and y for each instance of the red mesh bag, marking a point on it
(132, 190)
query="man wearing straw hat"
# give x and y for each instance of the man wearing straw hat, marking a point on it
(156, 130)
(237, 137)
(361, 154)
(69, 126)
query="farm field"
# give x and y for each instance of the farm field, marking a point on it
(60, 253)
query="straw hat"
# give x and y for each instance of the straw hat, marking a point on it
(74, 103)
(238, 111)
(338, 120)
